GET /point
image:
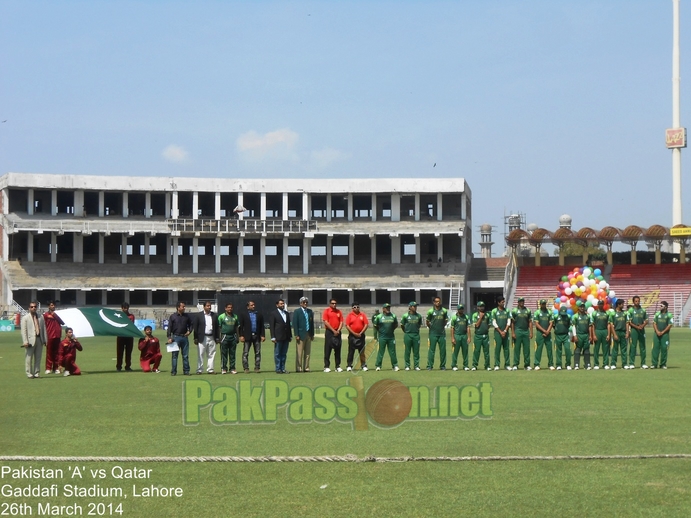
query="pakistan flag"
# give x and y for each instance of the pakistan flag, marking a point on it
(98, 322)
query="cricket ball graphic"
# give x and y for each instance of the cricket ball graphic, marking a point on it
(388, 402)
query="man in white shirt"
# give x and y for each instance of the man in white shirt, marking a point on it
(206, 337)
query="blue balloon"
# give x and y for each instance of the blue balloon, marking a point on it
(570, 312)
(614, 301)
(597, 272)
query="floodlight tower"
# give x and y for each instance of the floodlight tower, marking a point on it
(676, 137)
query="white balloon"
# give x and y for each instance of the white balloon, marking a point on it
(568, 291)
(587, 272)
(590, 310)
(602, 285)
(612, 294)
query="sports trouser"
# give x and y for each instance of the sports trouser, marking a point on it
(151, 364)
(480, 342)
(660, 349)
(582, 347)
(356, 343)
(229, 345)
(619, 345)
(433, 341)
(499, 345)
(53, 354)
(543, 342)
(601, 342)
(562, 341)
(412, 343)
(462, 345)
(637, 338)
(384, 344)
(522, 341)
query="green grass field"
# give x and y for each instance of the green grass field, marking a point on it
(106, 413)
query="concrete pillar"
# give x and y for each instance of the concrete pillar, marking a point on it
(682, 253)
(328, 207)
(101, 204)
(81, 298)
(147, 205)
(241, 255)
(350, 206)
(149, 298)
(464, 201)
(373, 248)
(53, 247)
(78, 248)
(374, 207)
(104, 297)
(284, 207)
(537, 256)
(373, 297)
(285, 254)
(440, 211)
(262, 206)
(168, 203)
(124, 249)
(169, 249)
(217, 255)
(395, 298)
(633, 255)
(217, 205)
(262, 253)
(351, 249)
(417, 296)
(127, 296)
(417, 249)
(147, 244)
(305, 206)
(464, 248)
(395, 249)
(101, 248)
(195, 255)
(175, 213)
(440, 247)
(241, 198)
(329, 245)
(79, 203)
(306, 255)
(351, 299)
(417, 206)
(174, 253)
(195, 205)
(125, 204)
(54, 202)
(658, 254)
(30, 201)
(30, 247)
(396, 207)
(561, 256)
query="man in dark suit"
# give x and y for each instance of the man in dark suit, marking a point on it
(251, 333)
(303, 328)
(205, 338)
(281, 335)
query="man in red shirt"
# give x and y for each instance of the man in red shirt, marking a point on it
(357, 324)
(125, 344)
(150, 347)
(68, 352)
(53, 335)
(333, 321)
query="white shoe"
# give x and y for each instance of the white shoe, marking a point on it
(327, 369)
(597, 367)
(528, 368)
(613, 367)
(508, 368)
(349, 369)
(537, 367)
(606, 367)
(396, 369)
(575, 368)
(663, 367)
(496, 368)
(49, 372)
(407, 368)
(466, 369)
(626, 367)
(338, 369)
(378, 369)
(489, 369)
(417, 368)
(588, 368)
(644, 366)
(364, 368)
(67, 373)
(473, 369)
(568, 367)
(632, 366)
(454, 369)
(514, 368)
(559, 368)
(551, 368)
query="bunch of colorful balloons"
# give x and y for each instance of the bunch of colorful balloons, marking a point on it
(587, 285)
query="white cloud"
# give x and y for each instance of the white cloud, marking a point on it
(323, 158)
(277, 145)
(175, 154)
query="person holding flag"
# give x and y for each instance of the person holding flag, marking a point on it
(150, 347)
(68, 352)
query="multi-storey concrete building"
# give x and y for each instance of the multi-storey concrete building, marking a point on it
(88, 240)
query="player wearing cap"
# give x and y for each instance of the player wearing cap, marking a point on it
(522, 334)
(601, 335)
(436, 320)
(411, 323)
(638, 319)
(544, 322)
(501, 321)
(481, 325)
(619, 330)
(662, 323)
(460, 337)
(386, 323)
(582, 335)
(562, 326)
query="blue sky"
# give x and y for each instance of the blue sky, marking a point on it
(544, 107)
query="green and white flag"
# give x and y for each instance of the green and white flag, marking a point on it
(98, 322)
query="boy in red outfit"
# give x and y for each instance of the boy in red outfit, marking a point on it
(68, 353)
(150, 347)
(53, 334)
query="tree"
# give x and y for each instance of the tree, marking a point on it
(574, 249)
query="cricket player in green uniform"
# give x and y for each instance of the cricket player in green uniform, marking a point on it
(228, 327)
(460, 337)
(562, 326)
(619, 330)
(601, 335)
(544, 321)
(662, 323)
(386, 323)
(582, 335)
(411, 323)
(522, 334)
(481, 326)
(436, 320)
(500, 318)
(638, 320)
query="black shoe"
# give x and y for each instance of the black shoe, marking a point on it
(186, 374)
(442, 368)
(128, 369)
(284, 372)
(257, 371)
(247, 371)
(173, 373)
(118, 368)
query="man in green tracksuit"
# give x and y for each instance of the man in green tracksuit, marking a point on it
(638, 320)
(662, 323)
(544, 321)
(562, 326)
(522, 334)
(386, 323)
(460, 337)
(411, 323)
(436, 320)
(500, 318)
(481, 325)
(582, 335)
(228, 327)
(601, 335)
(619, 330)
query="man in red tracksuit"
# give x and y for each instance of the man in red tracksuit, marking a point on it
(68, 353)
(53, 335)
(150, 347)
(125, 344)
